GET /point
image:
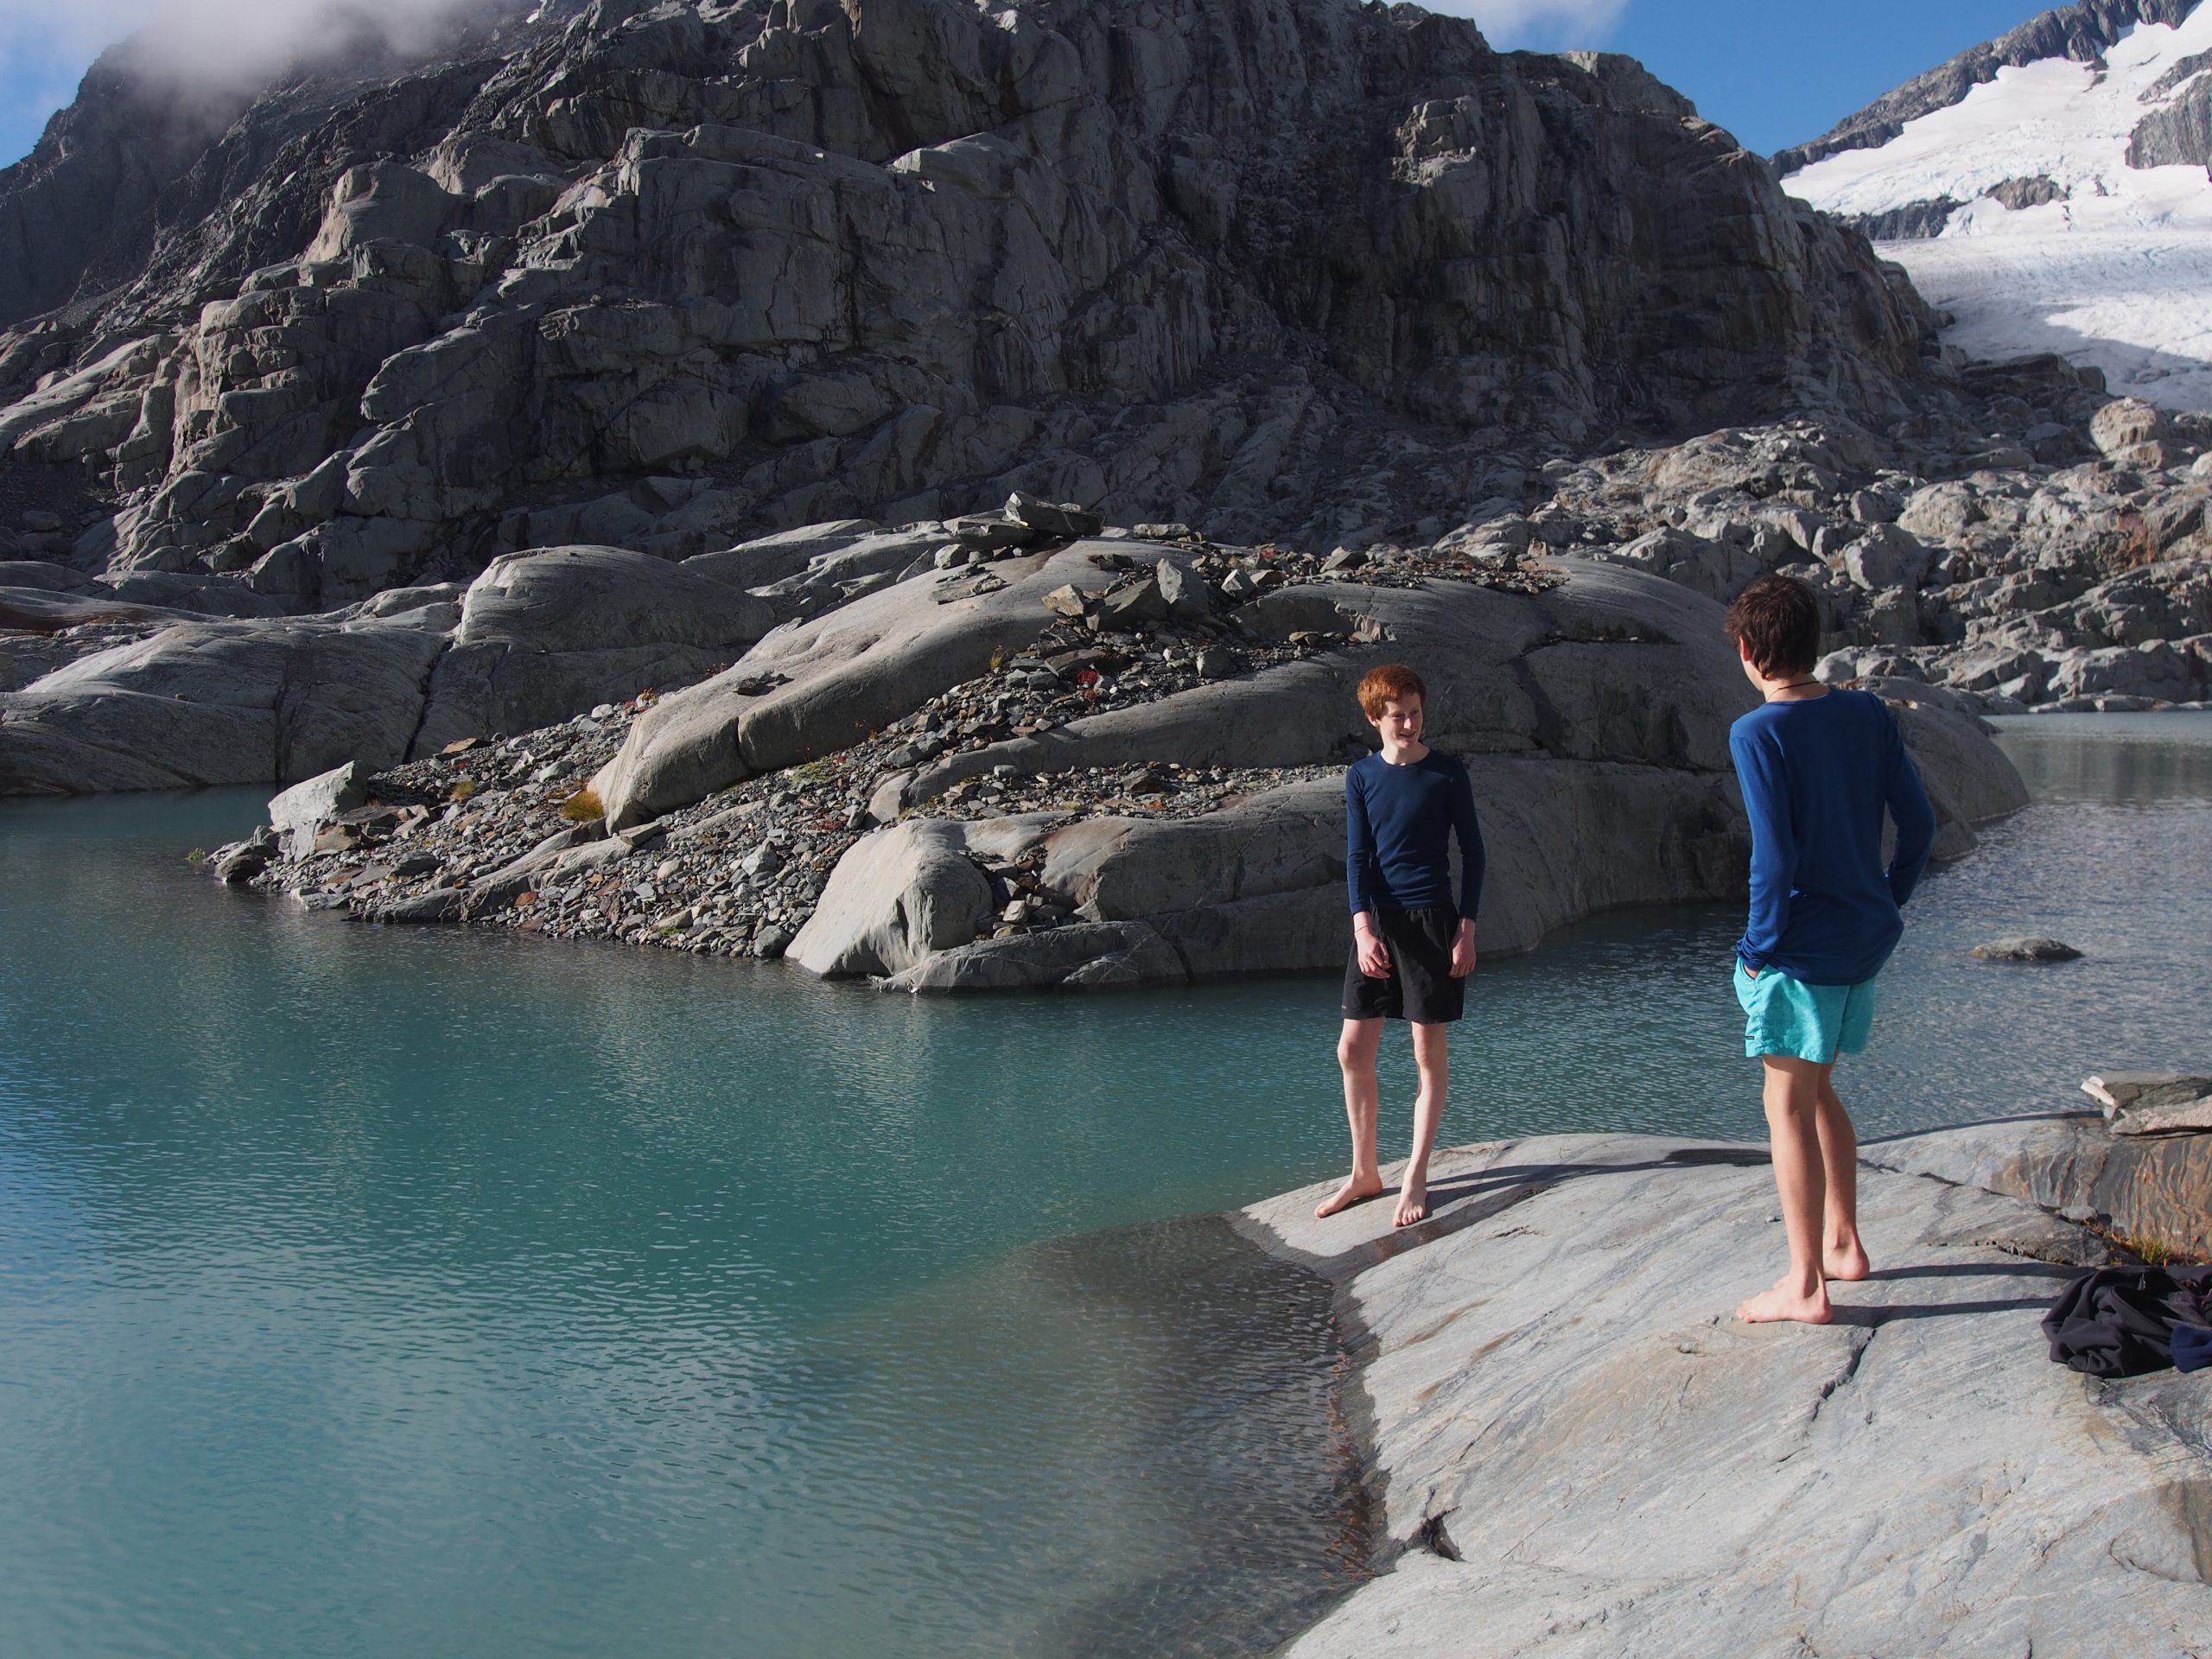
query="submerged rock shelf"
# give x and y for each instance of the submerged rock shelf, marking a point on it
(1580, 1453)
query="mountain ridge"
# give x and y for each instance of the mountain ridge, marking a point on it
(1265, 262)
(2081, 32)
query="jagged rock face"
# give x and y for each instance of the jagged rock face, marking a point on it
(145, 181)
(1261, 262)
(2083, 32)
(2179, 135)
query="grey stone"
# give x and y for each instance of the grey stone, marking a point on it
(2152, 1102)
(2025, 950)
(241, 867)
(241, 702)
(1063, 520)
(301, 811)
(1140, 602)
(898, 896)
(1885, 556)
(438, 905)
(2125, 424)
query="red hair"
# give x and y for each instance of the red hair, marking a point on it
(1392, 683)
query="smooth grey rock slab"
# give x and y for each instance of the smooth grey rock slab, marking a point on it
(218, 702)
(1559, 1399)
(842, 677)
(545, 634)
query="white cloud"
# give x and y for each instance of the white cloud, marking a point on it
(211, 43)
(1550, 24)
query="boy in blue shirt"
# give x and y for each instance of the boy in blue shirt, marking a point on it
(1817, 765)
(1413, 946)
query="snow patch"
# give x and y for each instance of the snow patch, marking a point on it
(2116, 272)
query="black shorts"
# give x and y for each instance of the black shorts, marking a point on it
(1420, 987)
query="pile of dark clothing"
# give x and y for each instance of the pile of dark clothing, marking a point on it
(2125, 1321)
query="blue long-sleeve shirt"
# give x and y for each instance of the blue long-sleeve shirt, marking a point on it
(1817, 776)
(1398, 825)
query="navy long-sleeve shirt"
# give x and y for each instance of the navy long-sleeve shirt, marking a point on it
(1817, 776)
(1398, 825)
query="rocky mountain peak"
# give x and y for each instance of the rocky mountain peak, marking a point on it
(663, 274)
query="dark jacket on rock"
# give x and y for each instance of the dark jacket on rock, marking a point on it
(2122, 1321)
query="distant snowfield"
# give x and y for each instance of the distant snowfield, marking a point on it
(2117, 272)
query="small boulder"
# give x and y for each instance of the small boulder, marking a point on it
(1886, 556)
(2025, 950)
(2125, 424)
(301, 811)
(439, 905)
(1139, 603)
(241, 867)
(896, 899)
(2152, 1102)
(1062, 521)
(1067, 600)
(1183, 593)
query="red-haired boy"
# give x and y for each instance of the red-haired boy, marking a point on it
(1413, 945)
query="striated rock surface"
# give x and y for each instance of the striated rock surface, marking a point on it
(1579, 1452)
(665, 276)
(2154, 1189)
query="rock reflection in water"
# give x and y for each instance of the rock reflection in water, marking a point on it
(1210, 1503)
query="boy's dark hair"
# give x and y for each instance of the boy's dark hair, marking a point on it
(1778, 620)
(1392, 683)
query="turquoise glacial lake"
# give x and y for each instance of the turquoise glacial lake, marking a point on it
(380, 1293)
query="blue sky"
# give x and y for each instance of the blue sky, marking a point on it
(1773, 72)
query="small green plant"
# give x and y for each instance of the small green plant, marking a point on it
(462, 788)
(197, 855)
(582, 807)
(2151, 1251)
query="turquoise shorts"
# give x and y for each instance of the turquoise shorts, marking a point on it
(1784, 1015)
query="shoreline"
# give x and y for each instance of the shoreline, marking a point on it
(1572, 1445)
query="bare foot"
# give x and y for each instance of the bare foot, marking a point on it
(1786, 1302)
(1356, 1189)
(1412, 1199)
(1847, 1262)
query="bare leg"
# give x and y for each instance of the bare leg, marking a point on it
(1355, 1056)
(1842, 1253)
(1793, 1093)
(1432, 1058)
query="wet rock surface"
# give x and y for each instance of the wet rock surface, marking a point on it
(1580, 1453)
